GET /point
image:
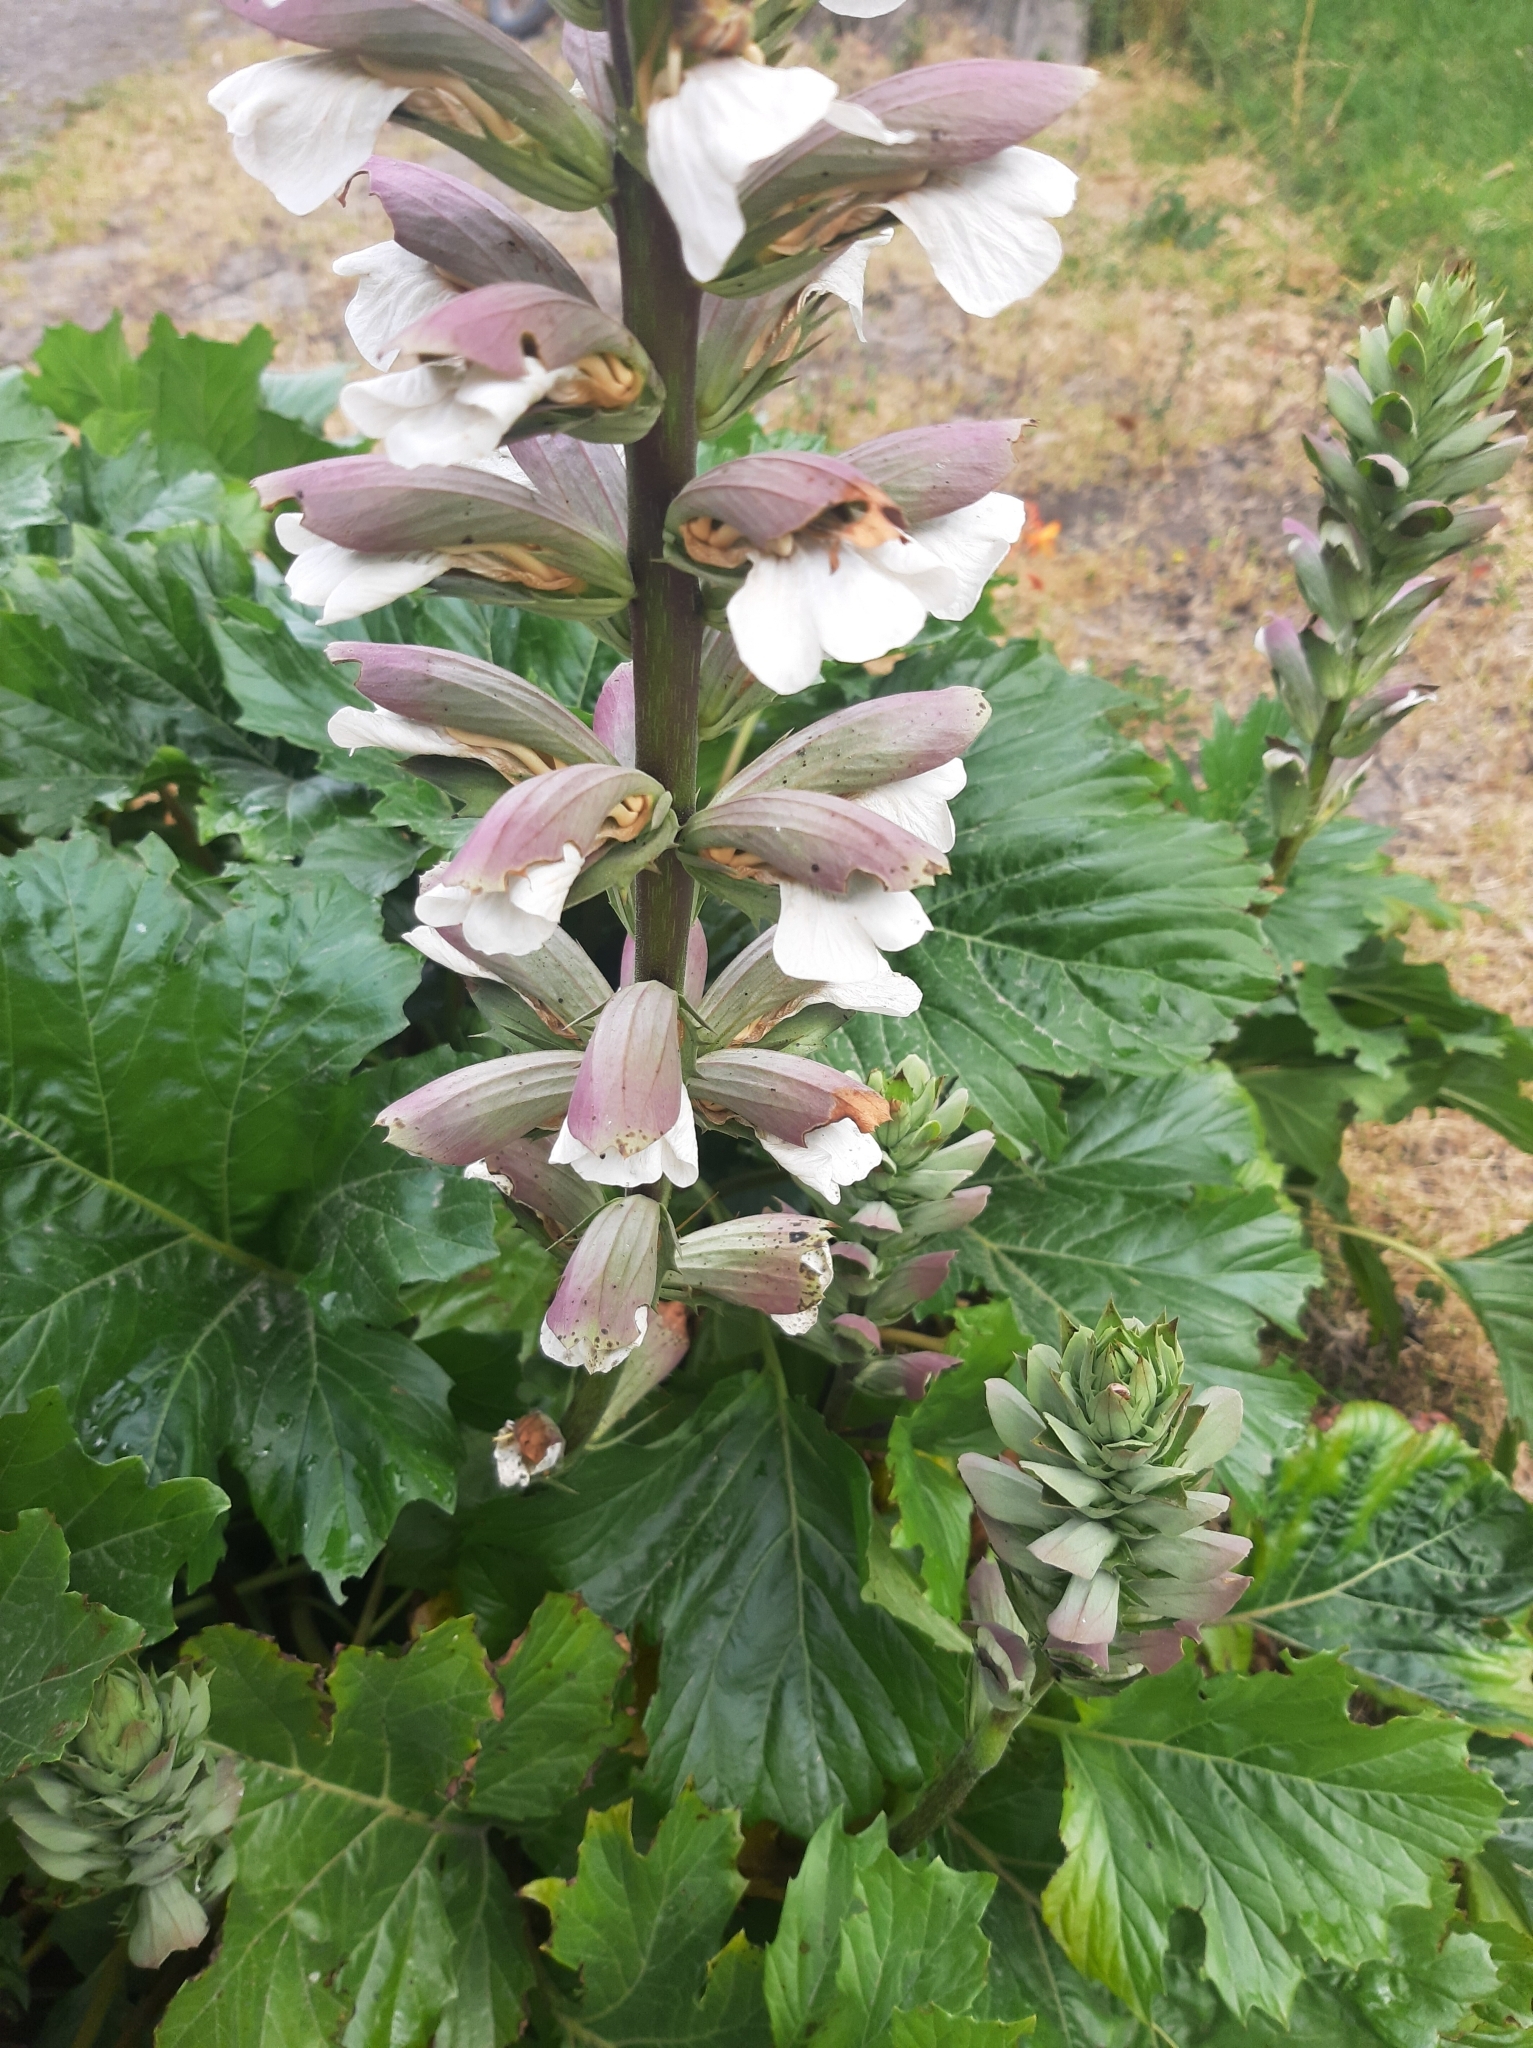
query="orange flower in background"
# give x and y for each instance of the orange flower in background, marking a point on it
(1038, 538)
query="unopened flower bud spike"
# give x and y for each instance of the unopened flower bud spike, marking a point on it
(1415, 437)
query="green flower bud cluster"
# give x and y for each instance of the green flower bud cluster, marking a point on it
(138, 1802)
(1098, 1505)
(921, 1191)
(1415, 436)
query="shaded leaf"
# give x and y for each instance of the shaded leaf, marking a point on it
(31, 452)
(1498, 1285)
(127, 1539)
(363, 1902)
(1408, 1555)
(1343, 889)
(738, 1541)
(1256, 1803)
(864, 1936)
(164, 1089)
(644, 1933)
(53, 1644)
(557, 1685)
(1084, 928)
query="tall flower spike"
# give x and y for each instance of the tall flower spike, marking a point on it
(630, 1120)
(937, 149)
(546, 534)
(779, 1264)
(1100, 1514)
(507, 359)
(834, 564)
(507, 885)
(601, 1307)
(305, 125)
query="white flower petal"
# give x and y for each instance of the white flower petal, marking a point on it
(771, 618)
(303, 125)
(861, 10)
(600, 1356)
(820, 936)
(673, 1157)
(702, 140)
(445, 954)
(985, 229)
(344, 583)
(395, 291)
(948, 561)
(801, 1320)
(859, 611)
(351, 727)
(862, 122)
(886, 995)
(919, 804)
(834, 1156)
(542, 890)
(441, 413)
(442, 903)
(845, 277)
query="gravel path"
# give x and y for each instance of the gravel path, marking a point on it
(57, 52)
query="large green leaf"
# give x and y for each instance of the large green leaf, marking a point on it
(738, 1541)
(644, 1933)
(1498, 1285)
(864, 1936)
(164, 1088)
(1257, 1804)
(1343, 890)
(1409, 1556)
(31, 451)
(365, 1908)
(54, 1644)
(557, 1715)
(127, 1539)
(1084, 928)
(199, 401)
(1161, 1201)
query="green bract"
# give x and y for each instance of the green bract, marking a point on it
(1099, 1511)
(139, 1803)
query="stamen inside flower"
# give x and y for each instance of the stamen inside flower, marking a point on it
(603, 381)
(508, 562)
(447, 101)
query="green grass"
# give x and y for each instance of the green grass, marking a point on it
(1409, 122)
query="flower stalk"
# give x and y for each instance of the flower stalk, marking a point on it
(661, 308)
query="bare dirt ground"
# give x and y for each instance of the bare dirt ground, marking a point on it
(1168, 383)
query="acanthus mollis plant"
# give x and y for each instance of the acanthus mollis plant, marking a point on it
(665, 1480)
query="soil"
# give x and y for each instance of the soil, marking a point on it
(1168, 384)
